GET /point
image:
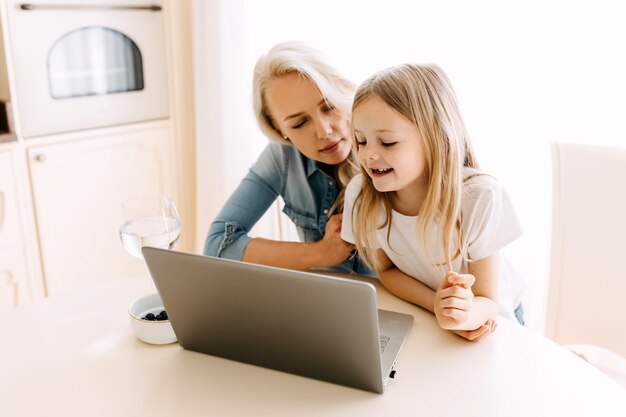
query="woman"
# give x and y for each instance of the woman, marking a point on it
(303, 105)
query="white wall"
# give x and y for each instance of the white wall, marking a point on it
(526, 74)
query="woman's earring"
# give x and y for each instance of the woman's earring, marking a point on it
(285, 137)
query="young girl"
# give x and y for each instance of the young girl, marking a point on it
(421, 213)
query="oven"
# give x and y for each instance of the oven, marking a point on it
(81, 64)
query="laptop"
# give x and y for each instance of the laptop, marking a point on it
(308, 324)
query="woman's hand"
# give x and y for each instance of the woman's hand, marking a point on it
(453, 300)
(333, 250)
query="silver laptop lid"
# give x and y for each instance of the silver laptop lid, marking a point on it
(307, 324)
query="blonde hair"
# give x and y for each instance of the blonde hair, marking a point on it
(424, 95)
(301, 58)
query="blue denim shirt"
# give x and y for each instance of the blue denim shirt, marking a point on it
(308, 193)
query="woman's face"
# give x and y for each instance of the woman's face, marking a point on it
(301, 114)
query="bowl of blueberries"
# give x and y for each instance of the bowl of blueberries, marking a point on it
(149, 320)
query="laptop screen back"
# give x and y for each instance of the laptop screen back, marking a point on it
(307, 324)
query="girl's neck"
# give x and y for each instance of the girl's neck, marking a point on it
(408, 201)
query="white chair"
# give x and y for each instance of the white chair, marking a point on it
(587, 297)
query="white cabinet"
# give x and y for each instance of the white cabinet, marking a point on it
(61, 229)
(78, 188)
(14, 281)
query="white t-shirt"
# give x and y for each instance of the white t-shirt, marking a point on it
(489, 224)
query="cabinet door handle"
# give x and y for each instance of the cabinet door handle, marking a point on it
(2, 210)
(40, 157)
(148, 7)
(10, 282)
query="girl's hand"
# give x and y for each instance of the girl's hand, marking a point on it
(479, 334)
(453, 300)
(333, 250)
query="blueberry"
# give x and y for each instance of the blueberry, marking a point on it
(162, 316)
(150, 317)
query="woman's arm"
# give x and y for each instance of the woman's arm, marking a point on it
(228, 234)
(329, 251)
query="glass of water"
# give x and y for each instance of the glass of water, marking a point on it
(149, 221)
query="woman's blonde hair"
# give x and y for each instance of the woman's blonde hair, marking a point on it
(424, 95)
(301, 58)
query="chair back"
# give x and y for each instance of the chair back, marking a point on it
(587, 297)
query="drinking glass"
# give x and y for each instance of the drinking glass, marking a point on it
(149, 221)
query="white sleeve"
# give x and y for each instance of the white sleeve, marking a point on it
(490, 222)
(352, 190)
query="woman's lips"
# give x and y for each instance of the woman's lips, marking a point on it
(331, 148)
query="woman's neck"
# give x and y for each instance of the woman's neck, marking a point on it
(328, 169)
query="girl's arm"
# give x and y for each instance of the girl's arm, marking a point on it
(404, 286)
(409, 289)
(464, 301)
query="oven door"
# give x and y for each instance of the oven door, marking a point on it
(86, 64)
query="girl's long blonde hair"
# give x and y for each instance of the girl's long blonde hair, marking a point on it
(424, 95)
(301, 58)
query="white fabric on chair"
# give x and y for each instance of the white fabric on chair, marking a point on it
(606, 360)
(588, 274)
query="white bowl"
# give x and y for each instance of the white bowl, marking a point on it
(154, 332)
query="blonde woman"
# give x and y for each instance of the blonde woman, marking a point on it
(302, 105)
(422, 214)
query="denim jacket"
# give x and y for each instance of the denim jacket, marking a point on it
(308, 193)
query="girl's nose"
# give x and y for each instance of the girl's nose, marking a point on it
(370, 154)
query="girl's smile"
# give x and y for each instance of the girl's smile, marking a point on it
(380, 172)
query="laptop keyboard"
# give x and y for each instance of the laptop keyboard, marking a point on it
(383, 342)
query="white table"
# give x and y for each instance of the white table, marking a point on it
(75, 355)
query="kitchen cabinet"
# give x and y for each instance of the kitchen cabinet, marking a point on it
(79, 182)
(14, 278)
(62, 188)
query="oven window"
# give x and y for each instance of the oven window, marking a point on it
(94, 61)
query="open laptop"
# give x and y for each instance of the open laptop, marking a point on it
(308, 324)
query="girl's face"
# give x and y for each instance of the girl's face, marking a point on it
(301, 114)
(389, 147)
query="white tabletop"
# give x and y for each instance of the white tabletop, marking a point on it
(75, 355)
